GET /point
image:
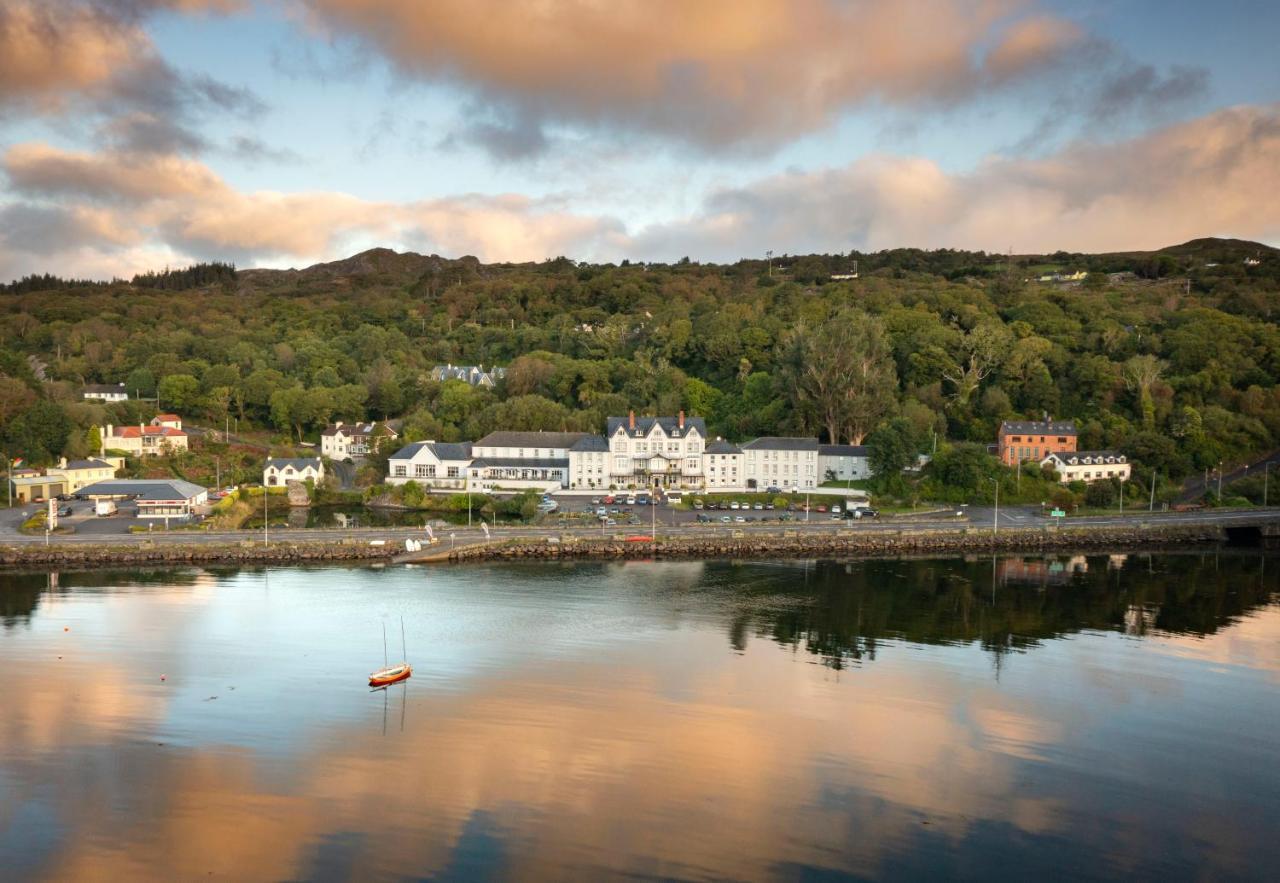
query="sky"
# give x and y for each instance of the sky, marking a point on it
(140, 134)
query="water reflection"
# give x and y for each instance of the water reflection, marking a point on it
(590, 721)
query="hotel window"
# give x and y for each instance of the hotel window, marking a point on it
(453, 471)
(423, 470)
(399, 471)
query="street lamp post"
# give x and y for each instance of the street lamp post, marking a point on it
(1266, 474)
(995, 522)
(1219, 482)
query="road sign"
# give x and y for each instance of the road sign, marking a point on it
(1057, 513)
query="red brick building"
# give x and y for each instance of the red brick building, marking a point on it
(1034, 440)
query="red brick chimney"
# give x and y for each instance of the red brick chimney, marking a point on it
(633, 419)
(682, 419)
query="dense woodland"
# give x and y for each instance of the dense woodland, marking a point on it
(1172, 357)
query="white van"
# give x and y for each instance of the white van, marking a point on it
(674, 498)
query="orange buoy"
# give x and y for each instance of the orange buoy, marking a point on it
(162, 677)
(66, 628)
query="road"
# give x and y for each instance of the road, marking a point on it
(976, 518)
(1194, 487)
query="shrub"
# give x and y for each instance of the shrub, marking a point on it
(1100, 494)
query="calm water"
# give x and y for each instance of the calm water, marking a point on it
(1064, 718)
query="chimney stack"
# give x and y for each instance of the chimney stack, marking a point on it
(682, 418)
(62, 462)
(632, 419)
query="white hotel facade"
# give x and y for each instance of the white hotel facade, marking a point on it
(635, 453)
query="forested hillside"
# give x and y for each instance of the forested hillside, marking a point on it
(1173, 358)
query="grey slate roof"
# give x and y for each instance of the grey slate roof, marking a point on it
(520, 463)
(670, 425)
(720, 446)
(103, 388)
(441, 450)
(591, 443)
(530, 440)
(143, 489)
(1078, 458)
(85, 464)
(298, 463)
(781, 443)
(1037, 427)
(843, 450)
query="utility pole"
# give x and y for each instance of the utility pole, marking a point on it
(1219, 482)
(995, 522)
(769, 255)
(1122, 495)
(1266, 474)
(264, 516)
(1151, 507)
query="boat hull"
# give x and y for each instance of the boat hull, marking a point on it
(392, 675)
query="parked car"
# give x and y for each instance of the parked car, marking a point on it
(758, 506)
(64, 511)
(733, 505)
(739, 519)
(609, 501)
(610, 522)
(697, 504)
(768, 505)
(602, 511)
(595, 501)
(773, 489)
(725, 519)
(822, 508)
(835, 509)
(631, 499)
(703, 518)
(864, 512)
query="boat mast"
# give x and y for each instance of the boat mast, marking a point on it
(385, 663)
(403, 650)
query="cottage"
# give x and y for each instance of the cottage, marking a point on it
(1022, 440)
(656, 451)
(782, 462)
(434, 465)
(1089, 466)
(105, 392)
(353, 441)
(844, 462)
(279, 471)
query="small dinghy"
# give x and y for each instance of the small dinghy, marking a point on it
(395, 673)
(391, 674)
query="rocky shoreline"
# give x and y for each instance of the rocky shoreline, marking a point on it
(195, 553)
(878, 544)
(791, 544)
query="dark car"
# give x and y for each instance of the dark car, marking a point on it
(64, 511)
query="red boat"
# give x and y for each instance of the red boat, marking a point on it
(392, 675)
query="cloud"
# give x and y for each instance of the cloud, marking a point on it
(1192, 179)
(754, 73)
(252, 150)
(519, 137)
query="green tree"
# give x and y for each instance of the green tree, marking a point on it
(179, 392)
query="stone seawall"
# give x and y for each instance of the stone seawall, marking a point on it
(194, 553)
(861, 544)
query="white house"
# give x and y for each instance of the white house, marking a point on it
(781, 462)
(353, 441)
(434, 465)
(472, 374)
(79, 473)
(843, 463)
(105, 392)
(589, 462)
(160, 437)
(521, 460)
(1088, 465)
(656, 451)
(722, 465)
(279, 471)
